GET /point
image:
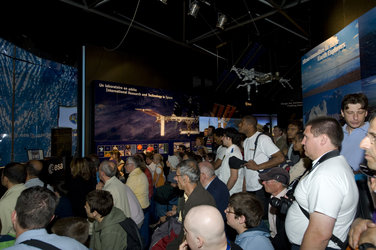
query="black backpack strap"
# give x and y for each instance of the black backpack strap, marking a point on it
(133, 234)
(334, 238)
(39, 244)
(256, 141)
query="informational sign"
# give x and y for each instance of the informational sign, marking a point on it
(139, 119)
(341, 65)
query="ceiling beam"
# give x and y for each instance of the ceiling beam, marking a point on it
(140, 27)
(260, 17)
(281, 10)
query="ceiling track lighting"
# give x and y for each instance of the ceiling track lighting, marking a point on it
(222, 19)
(193, 9)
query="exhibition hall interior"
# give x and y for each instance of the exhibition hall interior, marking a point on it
(93, 90)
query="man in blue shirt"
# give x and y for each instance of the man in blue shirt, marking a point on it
(354, 111)
(214, 186)
(34, 210)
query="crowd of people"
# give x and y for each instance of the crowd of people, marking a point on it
(299, 188)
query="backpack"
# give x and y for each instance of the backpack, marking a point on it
(165, 233)
(134, 240)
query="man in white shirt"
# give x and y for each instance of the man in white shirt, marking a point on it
(328, 194)
(260, 152)
(221, 150)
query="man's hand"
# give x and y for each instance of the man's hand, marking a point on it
(99, 186)
(184, 245)
(357, 228)
(373, 184)
(368, 236)
(171, 213)
(251, 164)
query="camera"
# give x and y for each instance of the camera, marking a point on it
(283, 204)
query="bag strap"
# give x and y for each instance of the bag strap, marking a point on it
(133, 228)
(334, 238)
(39, 244)
(256, 141)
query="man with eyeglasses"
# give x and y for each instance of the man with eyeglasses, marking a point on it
(363, 231)
(188, 179)
(276, 182)
(354, 111)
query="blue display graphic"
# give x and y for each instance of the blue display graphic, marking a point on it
(344, 64)
(40, 87)
(141, 119)
(333, 63)
(129, 113)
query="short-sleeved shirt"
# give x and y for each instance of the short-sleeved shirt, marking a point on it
(221, 151)
(329, 189)
(225, 172)
(265, 149)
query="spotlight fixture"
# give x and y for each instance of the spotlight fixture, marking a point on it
(193, 9)
(163, 1)
(222, 19)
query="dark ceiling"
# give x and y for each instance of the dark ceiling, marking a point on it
(268, 35)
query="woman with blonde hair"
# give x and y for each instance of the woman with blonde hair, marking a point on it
(159, 177)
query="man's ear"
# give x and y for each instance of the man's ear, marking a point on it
(199, 242)
(324, 139)
(241, 219)
(342, 114)
(5, 180)
(13, 216)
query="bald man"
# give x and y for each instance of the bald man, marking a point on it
(214, 186)
(204, 229)
(33, 170)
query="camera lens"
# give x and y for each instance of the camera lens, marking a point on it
(275, 202)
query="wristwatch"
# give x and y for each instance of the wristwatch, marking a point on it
(366, 245)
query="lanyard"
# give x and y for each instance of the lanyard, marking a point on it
(325, 157)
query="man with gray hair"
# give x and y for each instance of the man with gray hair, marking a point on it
(138, 182)
(326, 199)
(123, 196)
(188, 178)
(214, 186)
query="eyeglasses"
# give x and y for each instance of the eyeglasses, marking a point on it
(227, 210)
(372, 137)
(367, 171)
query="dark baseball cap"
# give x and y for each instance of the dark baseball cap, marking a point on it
(277, 173)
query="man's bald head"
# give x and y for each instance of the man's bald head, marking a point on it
(205, 227)
(33, 168)
(207, 168)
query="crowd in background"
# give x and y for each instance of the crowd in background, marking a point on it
(247, 174)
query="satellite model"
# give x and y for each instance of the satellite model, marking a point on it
(252, 77)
